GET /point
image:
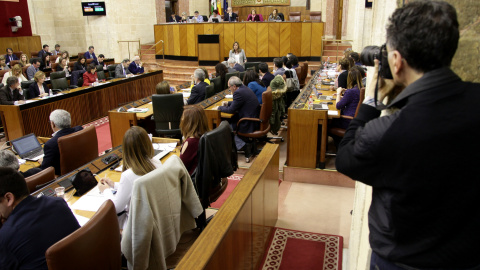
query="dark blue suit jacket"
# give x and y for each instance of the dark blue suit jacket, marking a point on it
(33, 226)
(227, 18)
(238, 67)
(52, 154)
(245, 104)
(7, 58)
(198, 93)
(267, 78)
(33, 90)
(134, 69)
(177, 18)
(87, 56)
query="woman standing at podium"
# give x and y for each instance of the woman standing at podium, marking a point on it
(238, 54)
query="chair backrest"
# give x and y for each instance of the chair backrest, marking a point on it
(2, 72)
(241, 75)
(96, 245)
(33, 54)
(18, 53)
(360, 101)
(304, 71)
(101, 75)
(228, 76)
(88, 61)
(4, 123)
(77, 149)
(205, 18)
(71, 64)
(40, 178)
(209, 90)
(260, 16)
(80, 54)
(24, 71)
(99, 68)
(57, 75)
(167, 112)
(252, 64)
(111, 71)
(58, 80)
(54, 66)
(53, 58)
(316, 16)
(217, 81)
(25, 85)
(14, 62)
(298, 70)
(281, 16)
(295, 16)
(266, 111)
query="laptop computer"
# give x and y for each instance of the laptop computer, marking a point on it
(28, 147)
(215, 20)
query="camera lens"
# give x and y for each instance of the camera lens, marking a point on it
(369, 54)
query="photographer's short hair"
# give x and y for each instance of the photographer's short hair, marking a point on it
(12, 181)
(61, 118)
(425, 33)
(263, 67)
(234, 80)
(199, 74)
(12, 80)
(8, 159)
(278, 62)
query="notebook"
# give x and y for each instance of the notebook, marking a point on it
(28, 147)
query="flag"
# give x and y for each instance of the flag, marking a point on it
(213, 6)
(219, 7)
(225, 6)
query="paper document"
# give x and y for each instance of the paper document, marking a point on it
(81, 220)
(90, 201)
(228, 96)
(29, 101)
(332, 112)
(186, 89)
(138, 110)
(164, 146)
(119, 168)
(186, 95)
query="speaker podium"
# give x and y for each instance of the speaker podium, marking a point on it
(208, 50)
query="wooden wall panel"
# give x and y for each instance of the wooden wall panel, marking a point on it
(306, 39)
(169, 40)
(176, 39)
(26, 44)
(208, 28)
(285, 32)
(228, 37)
(218, 30)
(183, 40)
(159, 35)
(296, 38)
(199, 30)
(251, 40)
(273, 39)
(191, 40)
(316, 43)
(262, 40)
(240, 34)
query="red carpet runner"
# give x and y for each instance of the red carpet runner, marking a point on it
(102, 127)
(299, 250)
(232, 183)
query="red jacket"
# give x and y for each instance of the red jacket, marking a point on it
(89, 78)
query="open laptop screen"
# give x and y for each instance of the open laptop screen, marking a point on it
(26, 144)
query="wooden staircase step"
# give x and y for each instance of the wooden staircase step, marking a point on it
(146, 46)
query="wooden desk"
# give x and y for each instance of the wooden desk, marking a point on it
(85, 104)
(259, 39)
(307, 142)
(101, 169)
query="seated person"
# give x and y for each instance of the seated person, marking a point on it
(60, 121)
(293, 58)
(296, 81)
(39, 88)
(10, 56)
(24, 61)
(57, 49)
(193, 125)
(230, 16)
(80, 64)
(121, 71)
(215, 15)
(3, 65)
(16, 71)
(11, 93)
(29, 225)
(90, 76)
(45, 64)
(343, 66)
(198, 91)
(265, 74)
(278, 66)
(65, 56)
(206, 77)
(44, 51)
(8, 159)
(174, 18)
(253, 82)
(274, 16)
(163, 88)
(198, 17)
(135, 66)
(34, 68)
(137, 161)
(221, 70)
(244, 104)
(253, 16)
(101, 59)
(63, 66)
(90, 54)
(233, 66)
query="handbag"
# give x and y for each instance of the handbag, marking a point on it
(83, 181)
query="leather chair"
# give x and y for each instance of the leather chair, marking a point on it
(24, 71)
(209, 90)
(13, 63)
(59, 81)
(295, 16)
(54, 67)
(2, 73)
(71, 64)
(88, 61)
(241, 75)
(249, 65)
(315, 16)
(304, 74)
(228, 76)
(260, 16)
(298, 70)
(96, 245)
(80, 54)
(18, 53)
(53, 58)
(111, 71)
(101, 75)
(2, 119)
(40, 178)
(281, 16)
(263, 119)
(167, 112)
(99, 68)
(25, 85)
(217, 81)
(33, 54)
(340, 132)
(77, 149)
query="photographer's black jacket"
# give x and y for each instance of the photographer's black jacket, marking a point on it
(422, 162)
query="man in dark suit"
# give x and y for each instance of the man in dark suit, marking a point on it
(33, 68)
(11, 94)
(234, 67)
(267, 77)
(121, 71)
(29, 225)
(44, 51)
(10, 56)
(60, 122)
(175, 18)
(230, 16)
(198, 91)
(135, 66)
(90, 54)
(244, 104)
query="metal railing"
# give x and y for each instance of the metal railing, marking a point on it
(338, 41)
(163, 49)
(128, 44)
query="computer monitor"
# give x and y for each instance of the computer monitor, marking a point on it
(215, 20)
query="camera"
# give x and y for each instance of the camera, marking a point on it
(370, 53)
(16, 23)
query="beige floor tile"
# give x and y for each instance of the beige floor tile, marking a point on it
(317, 208)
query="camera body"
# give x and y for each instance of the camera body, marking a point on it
(16, 23)
(370, 53)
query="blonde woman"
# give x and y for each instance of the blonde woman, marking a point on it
(65, 56)
(24, 61)
(40, 87)
(16, 71)
(137, 161)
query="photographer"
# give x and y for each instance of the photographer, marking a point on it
(424, 211)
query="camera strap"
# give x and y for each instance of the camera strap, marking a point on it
(380, 106)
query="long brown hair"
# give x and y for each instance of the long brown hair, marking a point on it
(354, 78)
(238, 48)
(194, 122)
(137, 151)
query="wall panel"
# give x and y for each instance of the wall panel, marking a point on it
(306, 39)
(273, 39)
(228, 37)
(285, 35)
(296, 38)
(251, 40)
(262, 40)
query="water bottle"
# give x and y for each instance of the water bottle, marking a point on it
(50, 93)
